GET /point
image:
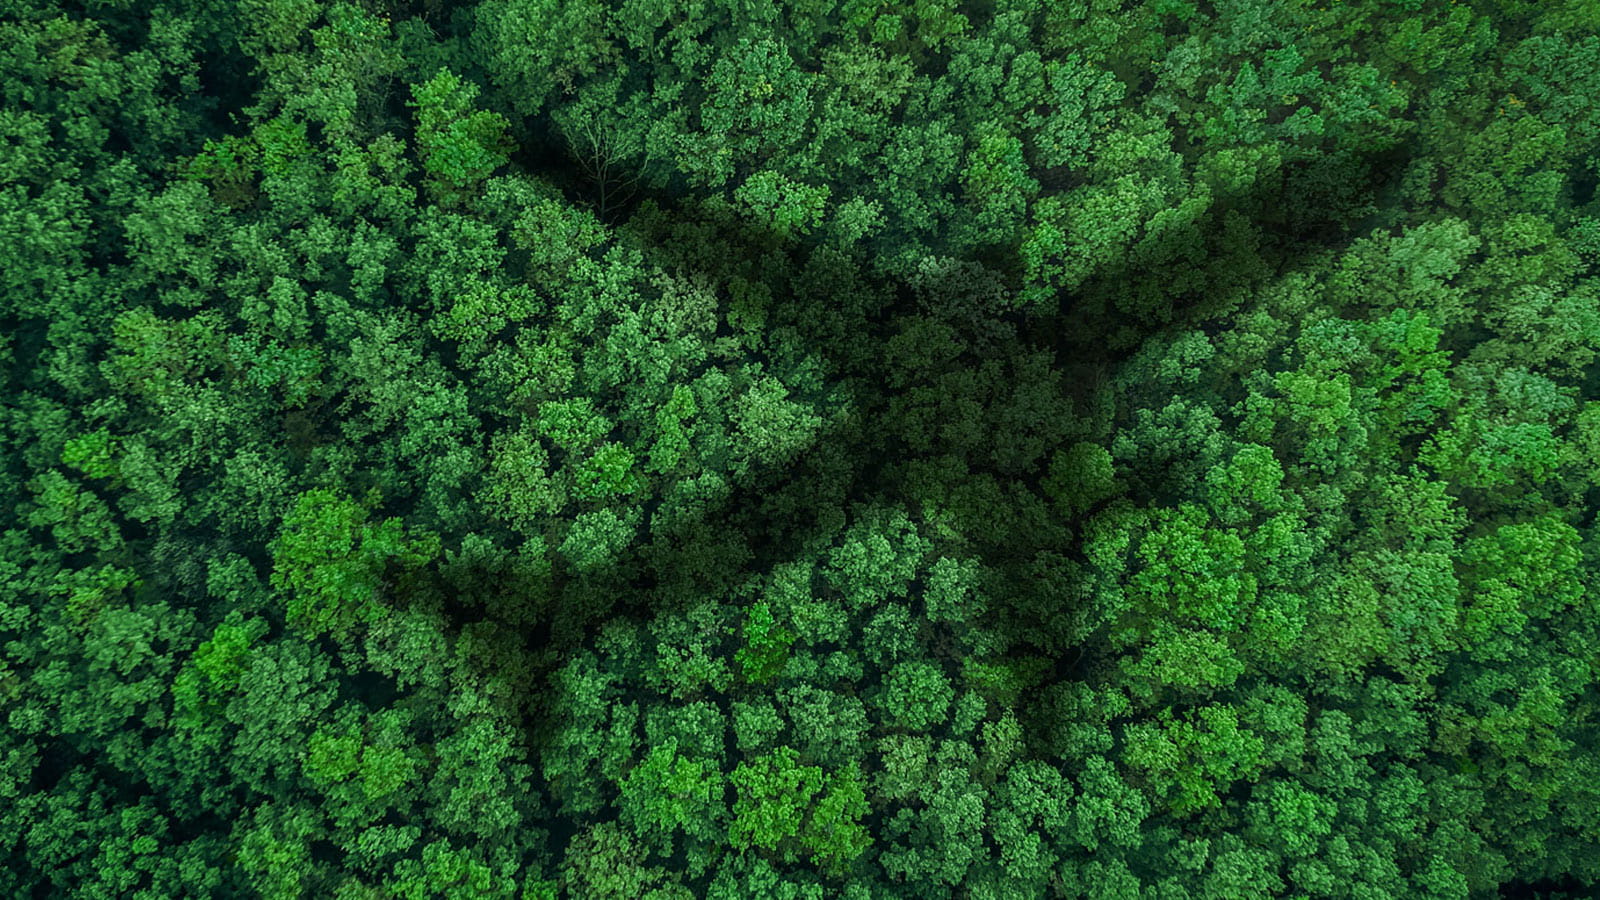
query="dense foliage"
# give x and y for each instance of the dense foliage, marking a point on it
(806, 449)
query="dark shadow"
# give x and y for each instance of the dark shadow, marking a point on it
(906, 448)
(921, 434)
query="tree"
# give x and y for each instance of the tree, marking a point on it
(334, 564)
(610, 150)
(916, 695)
(766, 645)
(774, 809)
(459, 146)
(669, 793)
(786, 207)
(607, 473)
(538, 46)
(773, 794)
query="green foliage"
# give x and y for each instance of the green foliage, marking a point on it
(93, 454)
(460, 146)
(77, 519)
(834, 832)
(876, 559)
(668, 793)
(826, 448)
(1191, 763)
(607, 473)
(518, 487)
(773, 795)
(598, 537)
(673, 442)
(333, 563)
(572, 424)
(1080, 476)
(222, 659)
(282, 141)
(786, 808)
(1520, 572)
(766, 645)
(917, 695)
(538, 45)
(782, 205)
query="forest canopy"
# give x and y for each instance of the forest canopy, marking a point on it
(800, 449)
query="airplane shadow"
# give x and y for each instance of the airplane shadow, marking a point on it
(940, 400)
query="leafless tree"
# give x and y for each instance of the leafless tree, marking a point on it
(602, 155)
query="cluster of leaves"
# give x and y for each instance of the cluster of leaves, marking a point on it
(536, 448)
